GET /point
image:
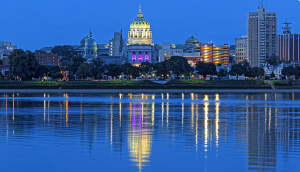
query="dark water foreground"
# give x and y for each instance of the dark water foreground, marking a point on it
(150, 132)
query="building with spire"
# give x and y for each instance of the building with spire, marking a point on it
(288, 45)
(140, 47)
(90, 48)
(262, 30)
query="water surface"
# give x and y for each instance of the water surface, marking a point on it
(150, 132)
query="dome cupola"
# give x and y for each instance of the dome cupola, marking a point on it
(140, 32)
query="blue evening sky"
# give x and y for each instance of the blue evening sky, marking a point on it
(33, 24)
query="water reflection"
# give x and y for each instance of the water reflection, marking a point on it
(139, 127)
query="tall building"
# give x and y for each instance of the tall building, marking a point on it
(140, 47)
(288, 45)
(241, 49)
(217, 54)
(116, 44)
(262, 30)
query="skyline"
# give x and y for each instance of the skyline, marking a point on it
(32, 27)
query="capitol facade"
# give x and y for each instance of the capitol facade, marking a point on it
(140, 47)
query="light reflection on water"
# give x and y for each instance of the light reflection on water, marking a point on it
(150, 132)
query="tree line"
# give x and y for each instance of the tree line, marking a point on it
(23, 64)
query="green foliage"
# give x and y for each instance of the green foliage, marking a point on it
(40, 52)
(273, 60)
(64, 51)
(22, 64)
(222, 73)
(46, 71)
(130, 70)
(146, 68)
(272, 75)
(113, 70)
(84, 71)
(178, 65)
(1, 62)
(206, 69)
(161, 69)
(237, 69)
(98, 68)
(289, 71)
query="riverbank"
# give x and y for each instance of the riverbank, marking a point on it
(143, 84)
(124, 91)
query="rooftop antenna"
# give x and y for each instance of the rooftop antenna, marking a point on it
(286, 28)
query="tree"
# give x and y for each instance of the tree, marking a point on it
(289, 71)
(272, 75)
(98, 67)
(258, 71)
(206, 69)
(178, 65)
(237, 69)
(64, 51)
(1, 62)
(84, 71)
(130, 70)
(113, 70)
(161, 69)
(57, 75)
(273, 60)
(22, 64)
(146, 68)
(222, 73)
(48, 71)
(40, 52)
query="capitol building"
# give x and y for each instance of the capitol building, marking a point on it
(140, 47)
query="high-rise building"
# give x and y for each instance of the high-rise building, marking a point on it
(288, 45)
(217, 54)
(262, 30)
(241, 49)
(116, 44)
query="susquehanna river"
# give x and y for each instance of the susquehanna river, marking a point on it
(150, 132)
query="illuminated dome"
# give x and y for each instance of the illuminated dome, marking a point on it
(90, 48)
(140, 32)
(82, 42)
(192, 40)
(140, 22)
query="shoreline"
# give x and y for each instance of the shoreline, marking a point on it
(112, 91)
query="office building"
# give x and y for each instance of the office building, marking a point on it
(241, 49)
(288, 45)
(116, 44)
